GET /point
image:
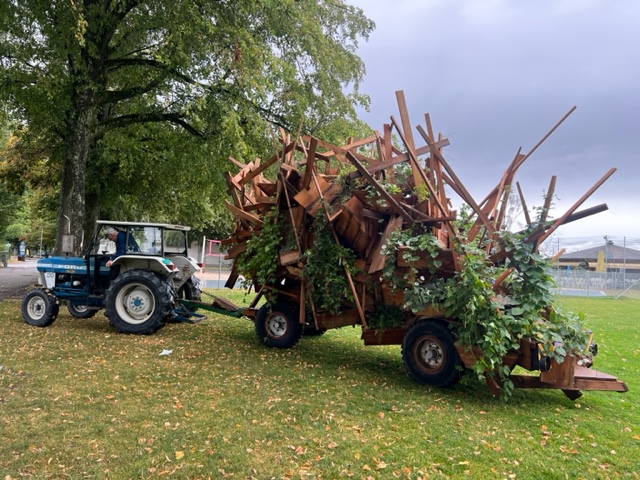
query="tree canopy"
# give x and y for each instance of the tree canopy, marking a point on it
(130, 108)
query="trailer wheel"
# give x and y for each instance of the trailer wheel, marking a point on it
(430, 355)
(80, 311)
(40, 308)
(277, 325)
(138, 302)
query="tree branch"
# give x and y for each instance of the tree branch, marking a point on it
(115, 64)
(154, 117)
(115, 96)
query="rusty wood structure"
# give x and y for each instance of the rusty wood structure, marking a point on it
(347, 186)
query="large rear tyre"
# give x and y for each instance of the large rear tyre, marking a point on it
(138, 302)
(80, 311)
(277, 325)
(189, 291)
(430, 355)
(40, 307)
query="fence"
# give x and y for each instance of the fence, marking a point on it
(589, 283)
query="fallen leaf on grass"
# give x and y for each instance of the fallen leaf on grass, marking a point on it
(179, 455)
(381, 465)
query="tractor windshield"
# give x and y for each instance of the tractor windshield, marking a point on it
(145, 240)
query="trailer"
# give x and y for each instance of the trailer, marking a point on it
(364, 234)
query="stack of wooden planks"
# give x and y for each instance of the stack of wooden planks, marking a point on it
(365, 190)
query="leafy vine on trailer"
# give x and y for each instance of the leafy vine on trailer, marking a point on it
(494, 322)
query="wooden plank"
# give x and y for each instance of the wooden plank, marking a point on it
(309, 196)
(527, 218)
(378, 259)
(576, 205)
(289, 257)
(586, 213)
(263, 166)
(560, 375)
(383, 336)
(361, 241)
(425, 261)
(407, 138)
(310, 165)
(425, 180)
(383, 193)
(528, 381)
(242, 214)
(344, 318)
(238, 177)
(233, 189)
(330, 195)
(233, 277)
(547, 199)
(467, 196)
(236, 250)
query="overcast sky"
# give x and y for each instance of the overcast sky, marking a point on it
(496, 75)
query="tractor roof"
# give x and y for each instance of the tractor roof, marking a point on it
(114, 223)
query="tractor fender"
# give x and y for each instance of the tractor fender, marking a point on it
(161, 266)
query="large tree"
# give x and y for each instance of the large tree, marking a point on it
(131, 97)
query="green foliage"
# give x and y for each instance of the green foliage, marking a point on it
(9, 209)
(324, 270)
(259, 262)
(154, 96)
(485, 319)
(386, 316)
(419, 291)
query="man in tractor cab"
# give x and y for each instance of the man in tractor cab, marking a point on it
(120, 239)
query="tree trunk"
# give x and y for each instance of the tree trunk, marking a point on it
(78, 141)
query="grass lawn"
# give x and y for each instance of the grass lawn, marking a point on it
(78, 400)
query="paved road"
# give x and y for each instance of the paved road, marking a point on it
(17, 278)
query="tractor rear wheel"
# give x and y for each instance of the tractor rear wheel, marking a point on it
(430, 355)
(189, 291)
(40, 307)
(138, 302)
(277, 325)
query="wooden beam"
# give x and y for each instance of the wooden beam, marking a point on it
(383, 193)
(273, 159)
(576, 205)
(468, 198)
(524, 204)
(245, 215)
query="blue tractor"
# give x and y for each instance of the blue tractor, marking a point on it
(139, 290)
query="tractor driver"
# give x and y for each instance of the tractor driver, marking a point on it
(120, 239)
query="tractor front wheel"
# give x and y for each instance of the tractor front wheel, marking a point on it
(40, 307)
(138, 302)
(277, 325)
(430, 355)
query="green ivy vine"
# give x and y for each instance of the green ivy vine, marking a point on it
(494, 323)
(324, 269)
(259, 262)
